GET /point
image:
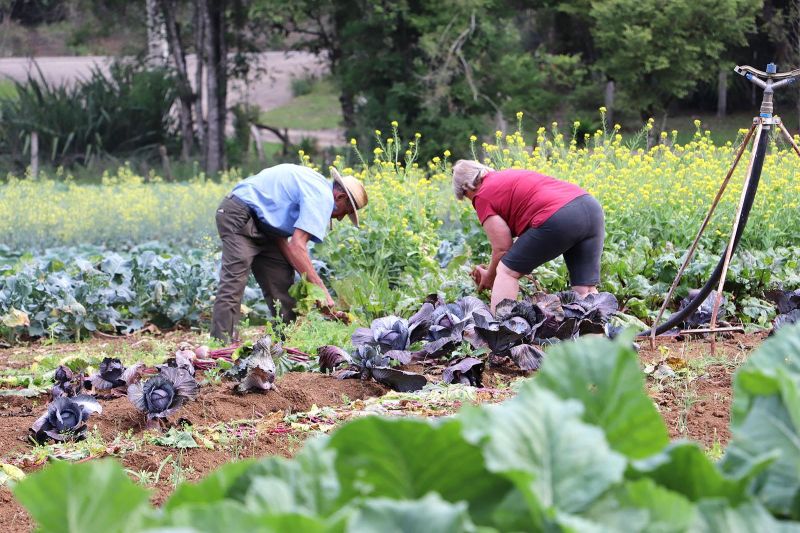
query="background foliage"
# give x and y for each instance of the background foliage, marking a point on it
(415, 238)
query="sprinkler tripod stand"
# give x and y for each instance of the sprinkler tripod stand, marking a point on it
(768, 81)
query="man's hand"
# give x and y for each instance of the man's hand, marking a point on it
(329, 311)
(296, 253)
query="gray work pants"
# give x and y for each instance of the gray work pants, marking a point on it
(245, 248)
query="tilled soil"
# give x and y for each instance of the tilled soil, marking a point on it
(696, 402)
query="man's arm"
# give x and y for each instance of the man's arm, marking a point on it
(500, 238)
(295, 250)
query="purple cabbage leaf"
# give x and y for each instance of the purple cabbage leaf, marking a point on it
(65, 419)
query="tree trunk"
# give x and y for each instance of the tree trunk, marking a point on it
(722, 93)
(34, 155)
(215, 84)
(157, 50)
(222, 82)
(185, 93)
(608, 101)
(199, 40)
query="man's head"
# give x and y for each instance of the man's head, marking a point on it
(349, 195)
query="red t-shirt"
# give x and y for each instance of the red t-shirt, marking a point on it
(523, 198)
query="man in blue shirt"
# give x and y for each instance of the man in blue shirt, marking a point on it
(265, 225)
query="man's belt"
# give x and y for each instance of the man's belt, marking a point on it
(263, 228)
(238, 200)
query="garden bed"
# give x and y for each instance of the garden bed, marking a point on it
(695, 403)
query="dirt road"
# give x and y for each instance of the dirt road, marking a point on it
(270, 88)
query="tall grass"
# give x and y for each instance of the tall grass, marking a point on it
(124, 112)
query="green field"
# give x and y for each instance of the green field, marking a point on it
(317, 110)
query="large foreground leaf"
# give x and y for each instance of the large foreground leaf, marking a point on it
(229, 516)
(636, 506)
(307, 483)
(716, 516)
(759, 376)
(769, 431)
(605, 376)
(766, 422)
(95, 496)
(213, 487)
(431, 513)
(684, 468)
(407, 459)
(540, 442)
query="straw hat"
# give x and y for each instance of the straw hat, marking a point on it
(355, 193)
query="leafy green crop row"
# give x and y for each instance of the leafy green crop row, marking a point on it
(67, 293)
(580, 448)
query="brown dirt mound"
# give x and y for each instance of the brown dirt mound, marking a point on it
(295, 391)
(697, 403)
(701, 411)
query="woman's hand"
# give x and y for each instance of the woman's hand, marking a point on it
(480, 275)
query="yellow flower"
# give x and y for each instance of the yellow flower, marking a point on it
(378, 133)
(394, 123)
(377, 151)
(603, 110)
(519, 115)
(447, 153)
(472, 138)
(353, 142)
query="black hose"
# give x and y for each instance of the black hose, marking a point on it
(676, 318)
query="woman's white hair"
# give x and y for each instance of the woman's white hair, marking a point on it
(467, 176)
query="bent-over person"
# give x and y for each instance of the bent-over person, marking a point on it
(265, 224)
(531, 219)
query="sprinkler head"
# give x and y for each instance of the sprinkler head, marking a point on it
(772, 68)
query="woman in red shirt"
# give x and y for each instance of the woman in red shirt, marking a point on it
(548, 218)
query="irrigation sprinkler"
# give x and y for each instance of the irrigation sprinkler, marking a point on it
(768, 81)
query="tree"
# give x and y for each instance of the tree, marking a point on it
(445, 69)
(659, 51)
(215, 24)
(186, 95)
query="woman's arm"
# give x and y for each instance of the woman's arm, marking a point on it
(500, 238)
(295, 250)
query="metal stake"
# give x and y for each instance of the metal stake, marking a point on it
(693, 247)
(789, 137)
(729, 249)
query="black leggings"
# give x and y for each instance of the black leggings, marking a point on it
(577, 230)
